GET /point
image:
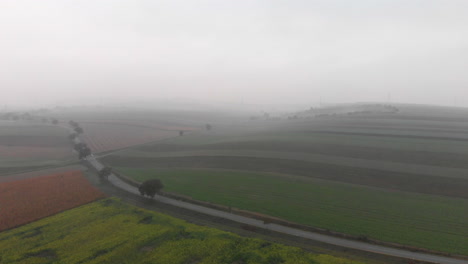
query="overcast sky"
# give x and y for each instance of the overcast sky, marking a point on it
(290, 51)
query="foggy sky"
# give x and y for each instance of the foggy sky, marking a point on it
(291, 51)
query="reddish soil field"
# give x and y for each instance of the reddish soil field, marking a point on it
(28, 200)
(105, 136)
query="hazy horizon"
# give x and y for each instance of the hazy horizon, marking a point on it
(252, 52)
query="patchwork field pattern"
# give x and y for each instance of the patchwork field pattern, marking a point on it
(121, 233)
(28, 200)
(398, 178)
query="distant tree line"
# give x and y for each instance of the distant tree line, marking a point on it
(26, 116)
(148, 188)
(76, 127)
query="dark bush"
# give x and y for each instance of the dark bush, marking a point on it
(150, 187)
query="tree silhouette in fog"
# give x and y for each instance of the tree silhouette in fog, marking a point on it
(150, 187)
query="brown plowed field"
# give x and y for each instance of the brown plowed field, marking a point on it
(28, 200)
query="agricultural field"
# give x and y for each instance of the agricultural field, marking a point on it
(385, 172)
(27, 200)
(106, 130)
(396, 178)
(101, 137)
(121, 233)
(428, 221)
(26, 144)
(39, 173)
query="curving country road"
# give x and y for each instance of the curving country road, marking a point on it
(283, 229)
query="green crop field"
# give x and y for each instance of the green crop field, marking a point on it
(109, 231)
(427, 221)
(393, 180)
(307, 157)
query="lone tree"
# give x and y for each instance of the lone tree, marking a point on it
(181, 133)
(150, 187)
(208, 127)
(105, 172)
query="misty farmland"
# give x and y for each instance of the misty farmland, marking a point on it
(393, 176)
